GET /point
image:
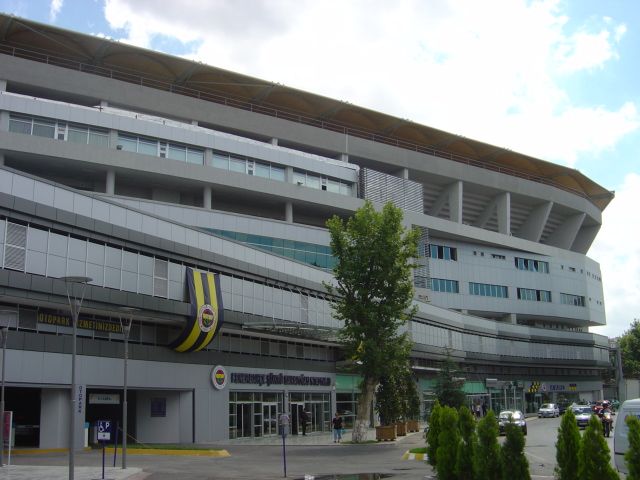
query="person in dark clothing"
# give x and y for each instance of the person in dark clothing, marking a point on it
(304, 418)
(337, 428)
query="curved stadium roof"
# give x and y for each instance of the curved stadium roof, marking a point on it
(40, 42)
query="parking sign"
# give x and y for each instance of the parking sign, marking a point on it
(104, 430)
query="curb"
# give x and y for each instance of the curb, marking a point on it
(166, 451)
(422, 457)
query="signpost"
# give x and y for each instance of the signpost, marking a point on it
(103, 428)
(285, 421)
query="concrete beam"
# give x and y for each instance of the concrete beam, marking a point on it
(566, 233)
(533, 226)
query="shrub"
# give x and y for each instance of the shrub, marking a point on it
(434, 433)
(514, 463)
(632, 457)
(567, 448)
(487, 458)
(448, 442)
(594, 459)
(467, 445)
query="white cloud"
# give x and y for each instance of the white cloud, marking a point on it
(618, 250)
(54, 9)
(492, 70)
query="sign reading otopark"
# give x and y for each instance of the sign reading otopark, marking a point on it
(206, 312)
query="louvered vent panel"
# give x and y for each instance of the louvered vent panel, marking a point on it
(15, 249)
(381, 187)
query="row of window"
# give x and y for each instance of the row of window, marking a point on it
(498, 291)
(443, 252)
(78, 133)
(531, 265)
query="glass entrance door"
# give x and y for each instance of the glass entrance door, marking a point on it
(243, 418)
(269, 419)
(296, 410)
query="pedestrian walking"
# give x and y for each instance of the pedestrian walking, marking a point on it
(337, 428)
(304, 419)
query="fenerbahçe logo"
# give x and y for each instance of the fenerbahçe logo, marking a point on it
(207, 317)
(219, 377)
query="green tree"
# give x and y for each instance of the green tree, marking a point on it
(567, 448)
(410, 398)
(467, 445)
(629, 345)
(514, 463)
(594, 459)
(632, 456)
(389, 400)
(448, 442)
(434, 433)
(372, 295)
(487, 458)
(448, 388)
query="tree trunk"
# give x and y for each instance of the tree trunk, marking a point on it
(361, 425)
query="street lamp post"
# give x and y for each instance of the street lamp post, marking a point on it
(126, 330)
(5, 333)
(75, 303)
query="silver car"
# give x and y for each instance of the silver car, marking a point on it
(549, 410)
(511, 416)
(583, 415)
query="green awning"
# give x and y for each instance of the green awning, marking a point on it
(348, 383)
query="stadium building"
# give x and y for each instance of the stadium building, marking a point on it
(197, 198)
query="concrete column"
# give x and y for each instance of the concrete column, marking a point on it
(455, 202)
(288, 175)
(585, 238)
(566, 233)
(344, 157)
(113, 139)
(1, 159)
(512, 318)
(110, 183)
(208, 157)
(533, 226)
(288, 212)
(403, 173)
(274, 142)
(54, 418)
(104, 103)
(206, 197)
(3, 85)
(194, 122)
(4, 121)
(503, 210)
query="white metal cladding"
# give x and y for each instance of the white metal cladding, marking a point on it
(382, 188)
(15, 246)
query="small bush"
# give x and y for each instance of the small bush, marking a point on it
(632, 457)
(514, 463)
(487, 458)
(467, 445)
(448, 441)
(594, 459)
(433, 433)
(568, 448)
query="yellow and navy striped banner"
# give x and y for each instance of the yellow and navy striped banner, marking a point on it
(206, 312)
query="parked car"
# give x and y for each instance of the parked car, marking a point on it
(549, 410)
(563, 407)
(583, 414)
(512, 416)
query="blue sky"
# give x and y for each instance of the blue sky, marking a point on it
(554, 79)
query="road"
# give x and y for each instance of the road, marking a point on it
(266, 462)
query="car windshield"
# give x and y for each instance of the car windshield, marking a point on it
(513, 415)
(582, 410)
(546, 405)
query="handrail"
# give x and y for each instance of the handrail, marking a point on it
(158, 84)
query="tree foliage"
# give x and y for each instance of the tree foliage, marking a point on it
(448, 442)
(448, 388)
(433, 434)
(389, 399)
(372, 294)
(632, 456)
(567, 448)
(629, 345)
(466, 446)
(594, 459)
(514, 463)
(487, 458)
(410, 398)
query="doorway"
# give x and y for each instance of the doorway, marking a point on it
(296, 410)
(269, 419)
(243, 419)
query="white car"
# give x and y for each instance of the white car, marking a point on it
(549, 410)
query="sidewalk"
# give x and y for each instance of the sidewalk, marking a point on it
(29, 472)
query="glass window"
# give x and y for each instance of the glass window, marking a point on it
(299, 178)
(177, 152)
(313, 181)
(147, 147)
(43, 128)
(98, 138)
(77, 134)
(277, 173)
(238, 165)
(346, 189)
(20, 125)
(129, 144)
(221, 161)
(195, 156)
(261, 170)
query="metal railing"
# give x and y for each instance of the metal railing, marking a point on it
(168, 86)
